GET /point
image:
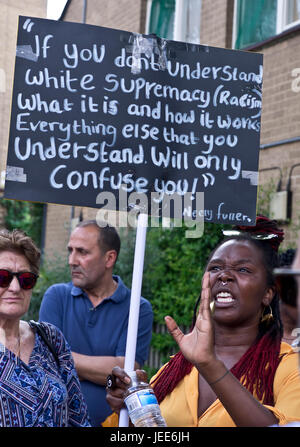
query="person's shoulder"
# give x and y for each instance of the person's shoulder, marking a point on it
(60, 289)
(287, 350)
(47, 327)
(288, 355)
(122, 290)
(288, 366)
(54, 334)
(145, 303)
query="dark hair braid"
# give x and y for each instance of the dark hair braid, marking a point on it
(258, 365)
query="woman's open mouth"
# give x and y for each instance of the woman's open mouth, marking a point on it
(223, 299)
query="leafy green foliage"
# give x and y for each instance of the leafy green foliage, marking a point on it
(27, 216)
(52, 272)
(124, 264)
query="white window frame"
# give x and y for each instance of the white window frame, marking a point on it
(280, 19)
(234, 24)
(55, 9)
(148, 12)
(180, 20)
(281, 24)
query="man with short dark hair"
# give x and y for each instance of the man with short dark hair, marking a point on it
(92, 312)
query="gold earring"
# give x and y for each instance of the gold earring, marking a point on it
(267, 318)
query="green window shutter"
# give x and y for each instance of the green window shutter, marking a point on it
(255, 21)
(162, 18)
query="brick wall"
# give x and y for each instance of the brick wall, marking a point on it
(119, 14)
(281, 105)
(59, 223)
(281, 121)
(214, 23)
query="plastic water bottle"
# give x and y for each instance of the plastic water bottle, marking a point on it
(142, 405)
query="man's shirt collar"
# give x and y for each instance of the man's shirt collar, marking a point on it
(118, 295)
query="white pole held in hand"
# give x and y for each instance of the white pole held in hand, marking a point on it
(134, 310)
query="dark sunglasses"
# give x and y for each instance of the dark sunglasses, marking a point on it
(26, 280)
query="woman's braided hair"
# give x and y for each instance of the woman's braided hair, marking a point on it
(258, 365)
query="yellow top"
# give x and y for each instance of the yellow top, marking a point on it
(180, 408)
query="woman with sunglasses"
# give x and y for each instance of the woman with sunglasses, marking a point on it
(39, 386)
(232, 368)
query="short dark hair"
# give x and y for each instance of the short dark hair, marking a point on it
(108, 237)
(17, 241)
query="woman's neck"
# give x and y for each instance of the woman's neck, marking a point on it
(9, 328)
(235, 341)
(10, 335)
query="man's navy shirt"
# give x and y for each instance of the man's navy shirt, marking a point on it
(99, 331)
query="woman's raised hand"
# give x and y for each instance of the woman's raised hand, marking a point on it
(198, 345)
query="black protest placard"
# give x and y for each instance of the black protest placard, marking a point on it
(102, 111)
